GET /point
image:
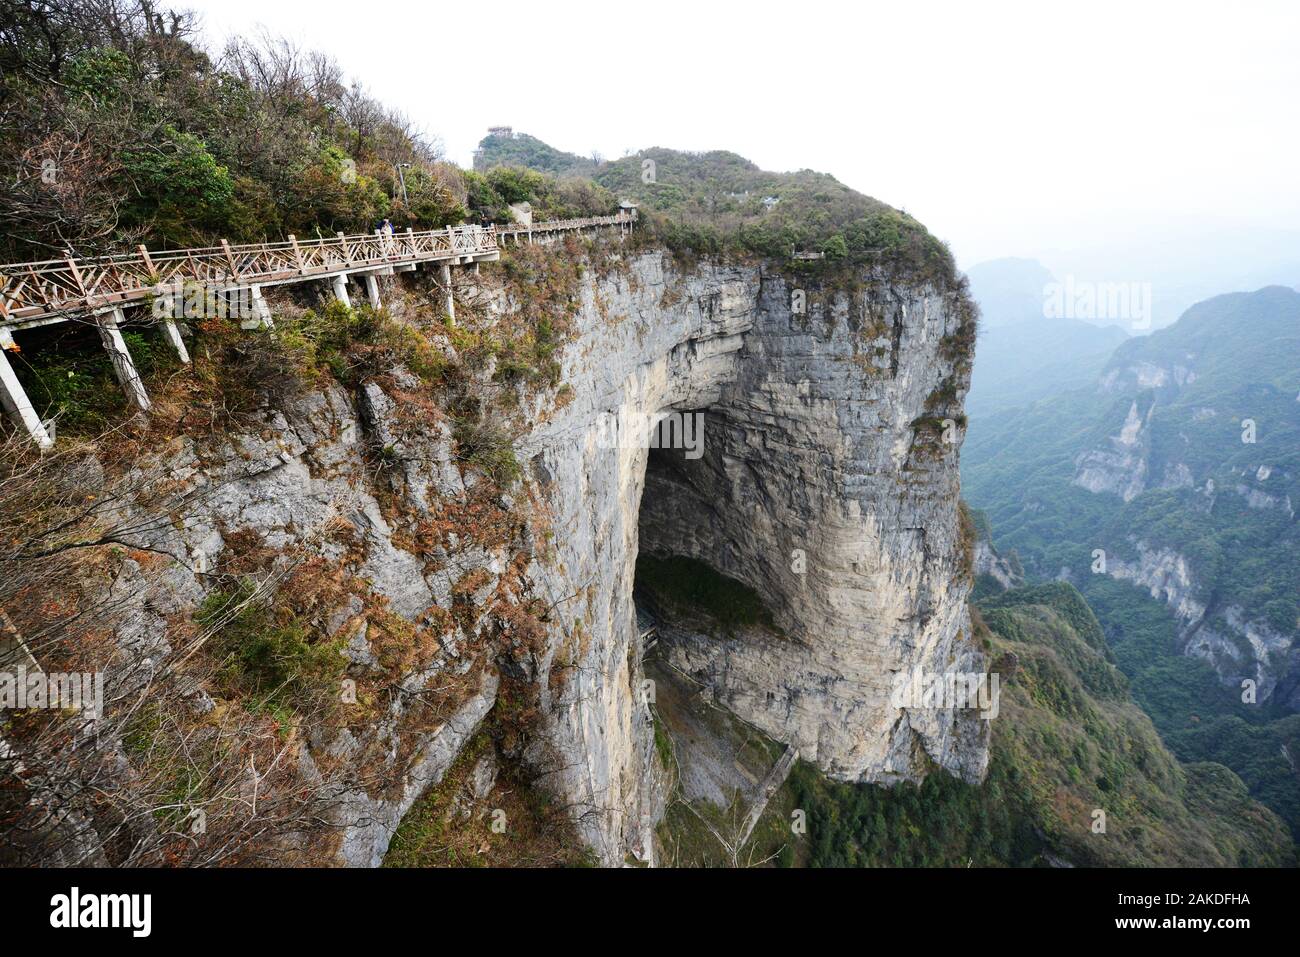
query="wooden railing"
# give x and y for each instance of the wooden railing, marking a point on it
(38, 292)
(32, 292)
(562, 225)
(57, 290)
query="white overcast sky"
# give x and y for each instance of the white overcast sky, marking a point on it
(1007, 128)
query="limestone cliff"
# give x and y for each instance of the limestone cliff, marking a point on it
(811, 445)
(825, 487)
(828, 482)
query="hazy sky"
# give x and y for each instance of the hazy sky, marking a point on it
(1007, 128)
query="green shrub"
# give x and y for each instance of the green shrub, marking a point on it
(268, 657)
(486, 443)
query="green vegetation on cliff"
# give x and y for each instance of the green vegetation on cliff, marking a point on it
(1068, 742)
(716, 202)
(479, 816)
(1198, 718)
(685, 585)
(118, 128)
(1227, 361)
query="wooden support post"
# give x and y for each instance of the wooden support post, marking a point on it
(230, 259)
(110, 333)
(14, 399)
(372, 290)
(451, 301)
(340, 283)
(148, 262)
(164, 310)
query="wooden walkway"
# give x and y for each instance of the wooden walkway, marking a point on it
(230, 280)
(36, 293)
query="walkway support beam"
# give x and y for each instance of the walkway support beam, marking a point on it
(110, 333)
(372, 290)
(14, 398)
(164, 310)
(340, 283)
(261, 316)
(174, 340)
(451, 300)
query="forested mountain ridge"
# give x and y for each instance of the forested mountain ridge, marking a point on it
(117, 127)
(503, 147)
(717, 201)
(1176, 473)
(1182, 465)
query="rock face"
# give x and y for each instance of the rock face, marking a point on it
(1121, 465)
(1166, 575)
(293, 484)
(989, 562)
(1238, 647)
(649, 339)
(821, 487)
(828, 482)
(809, 444)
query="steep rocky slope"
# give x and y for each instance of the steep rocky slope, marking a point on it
(1078, 775)
(825, 486)
(316, 573)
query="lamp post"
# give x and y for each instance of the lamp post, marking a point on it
(402, 179)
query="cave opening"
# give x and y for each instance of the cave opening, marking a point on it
(673, 518)
(682, 580)
(723, 770)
